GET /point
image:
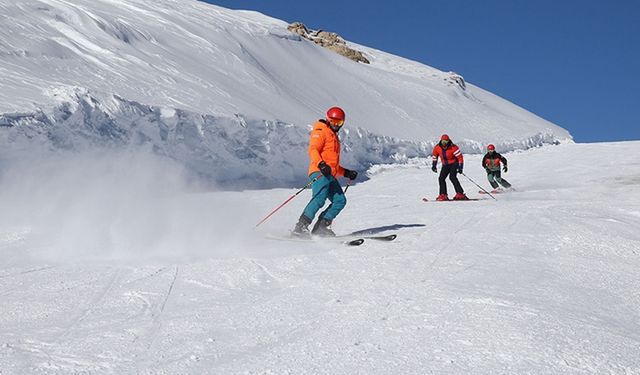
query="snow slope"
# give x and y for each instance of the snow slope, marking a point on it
(165, 280)
(85, 73)
(115, 258)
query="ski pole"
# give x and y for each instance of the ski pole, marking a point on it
(478, 185)
(347, 187)
(287, 201)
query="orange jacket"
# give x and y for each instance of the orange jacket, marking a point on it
(324, 145)
(449, 155)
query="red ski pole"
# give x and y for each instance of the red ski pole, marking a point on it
(287, 201)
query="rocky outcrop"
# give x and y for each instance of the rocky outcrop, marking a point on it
(328, 40)
(455, 79)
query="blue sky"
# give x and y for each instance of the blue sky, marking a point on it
(575, 63)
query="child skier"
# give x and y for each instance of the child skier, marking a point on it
(491, 163)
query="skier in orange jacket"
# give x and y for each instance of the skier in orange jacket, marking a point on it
(452, 164)
(324, 154)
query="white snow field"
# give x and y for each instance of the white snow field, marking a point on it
(164, 279)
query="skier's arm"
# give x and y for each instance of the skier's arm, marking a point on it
(504, 162)
(434, 163)
(316, 143)
(458, 154)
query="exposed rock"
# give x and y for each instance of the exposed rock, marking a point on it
(456, 79)
(298, 28)
(328, 40)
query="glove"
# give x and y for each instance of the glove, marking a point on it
(434, 169)
(350, 174)
(505, 169)
(325, 169)
(459, 169)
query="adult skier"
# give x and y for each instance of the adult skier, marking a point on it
(452, 164)
(491, 163)
(324, 155)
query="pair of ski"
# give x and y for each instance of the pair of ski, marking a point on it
(349, 239)
(454, 200)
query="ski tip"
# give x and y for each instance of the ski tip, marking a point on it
(425, 200)
(356, 242)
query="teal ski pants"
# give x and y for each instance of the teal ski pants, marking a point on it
(325, 188)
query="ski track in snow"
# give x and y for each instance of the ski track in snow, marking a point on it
(544, 280)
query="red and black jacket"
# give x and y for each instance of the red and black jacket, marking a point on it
(491, 161)
(449, 155)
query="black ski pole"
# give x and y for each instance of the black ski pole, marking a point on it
(347, 188)
(478, 185)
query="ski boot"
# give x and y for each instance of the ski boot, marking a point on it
(460, 197)
(442, 197)
(322, 228)
(302, 228)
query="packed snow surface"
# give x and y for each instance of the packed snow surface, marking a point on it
(118, 265)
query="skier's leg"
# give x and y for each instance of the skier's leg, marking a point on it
(338, 201)
(319, 191)
(453, 176)
(501, 180)
(442, 179)
(492, 179)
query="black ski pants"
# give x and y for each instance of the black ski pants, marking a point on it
(450, 170)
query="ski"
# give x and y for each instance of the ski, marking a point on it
(356, 242)
(454, 200)
(388, 237)
(502, 191)
(348, 242)
(492, 192)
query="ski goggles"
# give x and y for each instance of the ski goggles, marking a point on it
(335, 121)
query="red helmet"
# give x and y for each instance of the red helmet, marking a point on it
(336, 113)
(491, 147)
(445, 137)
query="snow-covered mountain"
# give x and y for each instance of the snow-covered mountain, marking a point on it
(227, 93)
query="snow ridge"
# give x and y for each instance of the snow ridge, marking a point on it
(229, 151)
